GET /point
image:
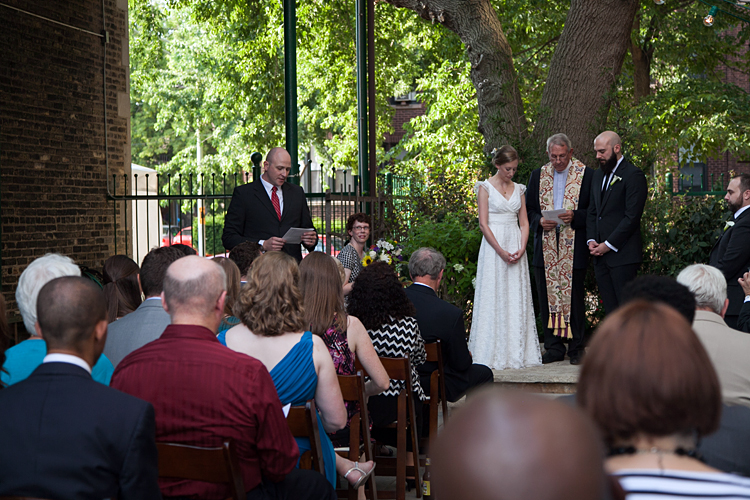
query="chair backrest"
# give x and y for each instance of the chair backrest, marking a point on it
(303, 423)
(434, 352)
(213, 465)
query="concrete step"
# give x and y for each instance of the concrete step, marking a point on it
(553, 378)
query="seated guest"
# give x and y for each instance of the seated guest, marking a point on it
(649, 385)
(440, 320)
(345, 337)
(121, 288)
(233, 291)
(24, 357)
(358, 229)
(204, 393)
(65, 436)
(273, 332)
(727, 448)
(728, 349)
(244, 254)
(148, 321)
(185, 249)
(379, 301)
(4, 335)
(540, 449)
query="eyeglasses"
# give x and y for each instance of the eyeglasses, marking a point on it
(361, 228)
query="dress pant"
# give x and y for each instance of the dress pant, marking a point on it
(384, 411)
(611, 281)
(298, 484)
(553, 343)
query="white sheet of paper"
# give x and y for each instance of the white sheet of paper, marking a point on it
(553, 215)
(285, 409)
(294, 235)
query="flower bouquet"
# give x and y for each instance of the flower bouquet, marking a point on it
(386, 251)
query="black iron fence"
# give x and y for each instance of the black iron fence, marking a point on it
(153, 210)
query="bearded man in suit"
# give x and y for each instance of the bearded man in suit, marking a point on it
(731, 253)
(264, 210)
(613, 226)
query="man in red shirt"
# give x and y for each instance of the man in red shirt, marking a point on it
(204, 393)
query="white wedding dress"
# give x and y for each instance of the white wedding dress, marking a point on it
(503, 328)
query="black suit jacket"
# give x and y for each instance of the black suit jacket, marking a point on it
(437, 319)
(743, 323)
(533, 208)
(617, 217)
(728, 449)
(731, 255)
(67, 437)
(251, 216)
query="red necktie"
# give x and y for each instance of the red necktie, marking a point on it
(275, 201)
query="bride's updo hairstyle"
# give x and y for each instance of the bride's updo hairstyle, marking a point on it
(505, 154)
(271, 303)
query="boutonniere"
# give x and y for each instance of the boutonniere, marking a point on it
(615, 178)
(729, 224)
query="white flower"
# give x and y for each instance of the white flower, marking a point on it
(474, 282)
(373, 254)
(387, 245)
(384, 257)
(728, 225)
(458, 268)
(397, 252)
(615, 178)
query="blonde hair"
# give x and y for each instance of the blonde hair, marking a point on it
(271, 303)
(320, 284)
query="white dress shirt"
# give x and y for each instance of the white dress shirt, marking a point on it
(269, 187)
(58, 357)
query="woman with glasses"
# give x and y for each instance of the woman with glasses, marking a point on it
(358, 229)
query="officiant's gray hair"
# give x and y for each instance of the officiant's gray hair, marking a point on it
(707, 284)
(559, 140)
(426, 261)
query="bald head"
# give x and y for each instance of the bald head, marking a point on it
(68, 311)
(277, 154)
(516, 446)
(192, 286)
(608, 149)
(277, 166)
(609, 138)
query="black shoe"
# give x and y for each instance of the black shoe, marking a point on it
(551, 357)
(411, 484)
(576, 359)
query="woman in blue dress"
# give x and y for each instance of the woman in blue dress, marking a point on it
(272, 331)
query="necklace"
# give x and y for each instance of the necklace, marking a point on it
(632, 450)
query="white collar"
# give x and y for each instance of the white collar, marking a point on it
(58, 357)
(618, 164)
(738, 212)
(268, 186)
(423, 284)
(564, 172)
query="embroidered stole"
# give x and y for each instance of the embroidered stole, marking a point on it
(558, 252)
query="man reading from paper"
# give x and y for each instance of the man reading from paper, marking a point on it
(560, 189)
(264, 210)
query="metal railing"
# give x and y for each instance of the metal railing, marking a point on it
(164, 209)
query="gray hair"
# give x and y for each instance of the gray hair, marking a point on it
(707, 284)
(40, 272)
(559, 140)
(426, 261)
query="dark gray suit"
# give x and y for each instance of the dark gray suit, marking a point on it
(615, 216)
(67, 437)
(731, 255)
(135, 330)
(251, 216)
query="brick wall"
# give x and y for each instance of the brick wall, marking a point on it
(53, 182)
(403, 113)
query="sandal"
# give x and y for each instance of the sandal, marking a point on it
(365, 475)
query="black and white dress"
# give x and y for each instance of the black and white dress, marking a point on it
(649, 484)
(350, 259)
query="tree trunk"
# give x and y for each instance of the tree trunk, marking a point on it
(583, 73)
(501, 114)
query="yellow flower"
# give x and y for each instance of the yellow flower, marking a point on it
(367, 261)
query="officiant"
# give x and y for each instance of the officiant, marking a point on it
(264, 210)
(557, 199)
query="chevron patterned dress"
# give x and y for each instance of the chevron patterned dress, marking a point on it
(396, 339)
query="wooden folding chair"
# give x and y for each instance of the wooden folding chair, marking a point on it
(353, 389)
(303, 423)
(400, 369)
(213, 465)
(437, 390)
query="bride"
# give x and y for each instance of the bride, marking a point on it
(503, 328)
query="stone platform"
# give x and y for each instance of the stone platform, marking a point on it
(554, 378)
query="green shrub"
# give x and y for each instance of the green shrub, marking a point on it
(214, 228)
